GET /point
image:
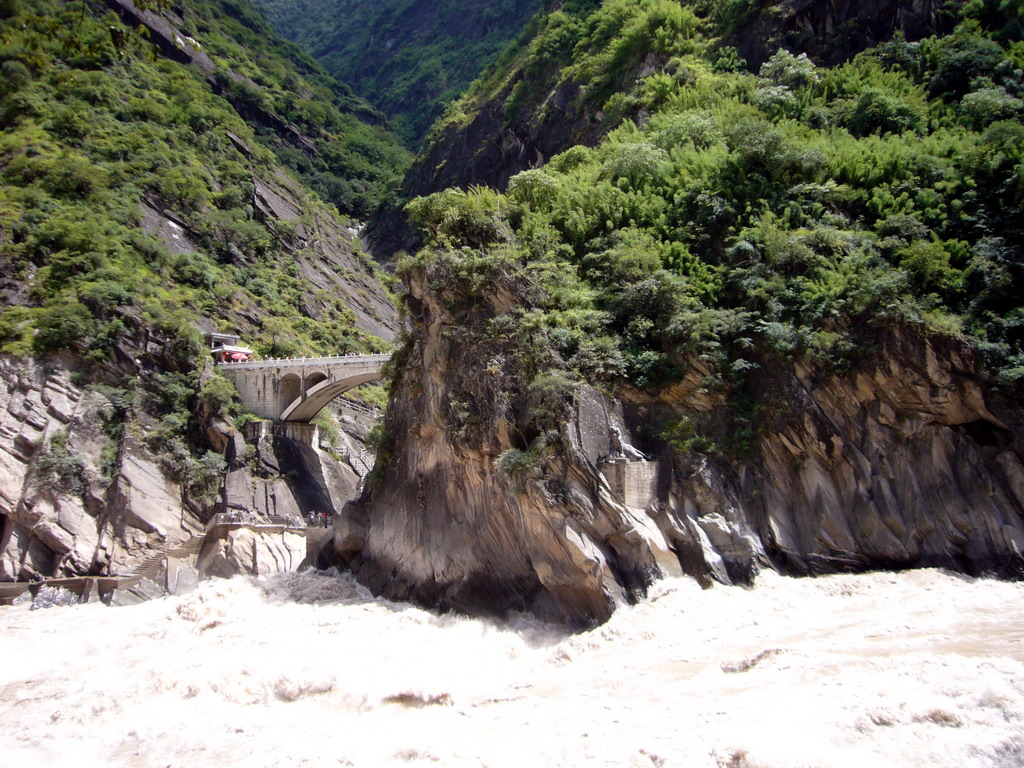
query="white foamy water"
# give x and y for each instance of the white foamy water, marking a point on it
(913, 669)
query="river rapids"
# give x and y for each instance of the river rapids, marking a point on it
(922, 668)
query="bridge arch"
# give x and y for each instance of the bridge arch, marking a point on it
(305, 408)
(313, 379)
(288, 389)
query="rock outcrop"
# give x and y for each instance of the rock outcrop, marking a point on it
(326, 255)
(447, 528)
(252, 551)
(906, 460)
(489, 150)
(73, 501)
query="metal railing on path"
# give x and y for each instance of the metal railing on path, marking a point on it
(302, 362)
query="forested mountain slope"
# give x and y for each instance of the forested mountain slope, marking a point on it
(799, 285)
(536, 102)
(148, 192)
(406, 57)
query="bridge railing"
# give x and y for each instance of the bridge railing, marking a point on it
(299, 362)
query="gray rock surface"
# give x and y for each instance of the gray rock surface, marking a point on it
(109, 524)
(833, 32)
(441, 525)
(251, 551)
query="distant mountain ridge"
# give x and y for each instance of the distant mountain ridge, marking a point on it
(406, 57)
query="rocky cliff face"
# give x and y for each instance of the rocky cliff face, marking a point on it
(72, 501)
(493, 145)
(324, 254)
(108, 456)
(489, 150)
(80, 493)
(833, 32)
(444, 527)
(906, 460)
(79, 498)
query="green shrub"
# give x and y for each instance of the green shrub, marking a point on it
(877, 111)
(219, 395)
(63, 325)
(785, 69)
(636, 164)
(514, 463)
(682, 435)
(988, 104)
(475, 218)
(60, 469)
(959, 60)
(14, 75)
(330, 429)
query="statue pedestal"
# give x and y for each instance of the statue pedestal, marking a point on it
(634, 483)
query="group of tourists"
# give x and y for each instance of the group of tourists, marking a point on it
(319, 519)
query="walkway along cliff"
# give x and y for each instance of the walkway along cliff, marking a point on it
(906, 460)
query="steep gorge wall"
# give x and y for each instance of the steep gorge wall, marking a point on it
(107, 513)
(906, 460)
(489, 149)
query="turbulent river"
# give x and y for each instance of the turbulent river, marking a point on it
(914, 669)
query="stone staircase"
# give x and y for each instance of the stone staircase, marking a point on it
(361, 463)
(149, 566)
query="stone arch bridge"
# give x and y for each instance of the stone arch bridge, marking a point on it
(295, 389)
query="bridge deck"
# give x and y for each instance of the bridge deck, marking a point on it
(296, 388)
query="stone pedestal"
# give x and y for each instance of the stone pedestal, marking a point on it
(306, 434)
(634, 483)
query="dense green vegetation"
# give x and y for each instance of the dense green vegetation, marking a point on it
(747, 217)
(407, 57)
(91, 130)
(356, 163)
(94, 128)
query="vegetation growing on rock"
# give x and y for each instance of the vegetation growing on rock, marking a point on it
(94, 133)
(796, 285)
(739, 216)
